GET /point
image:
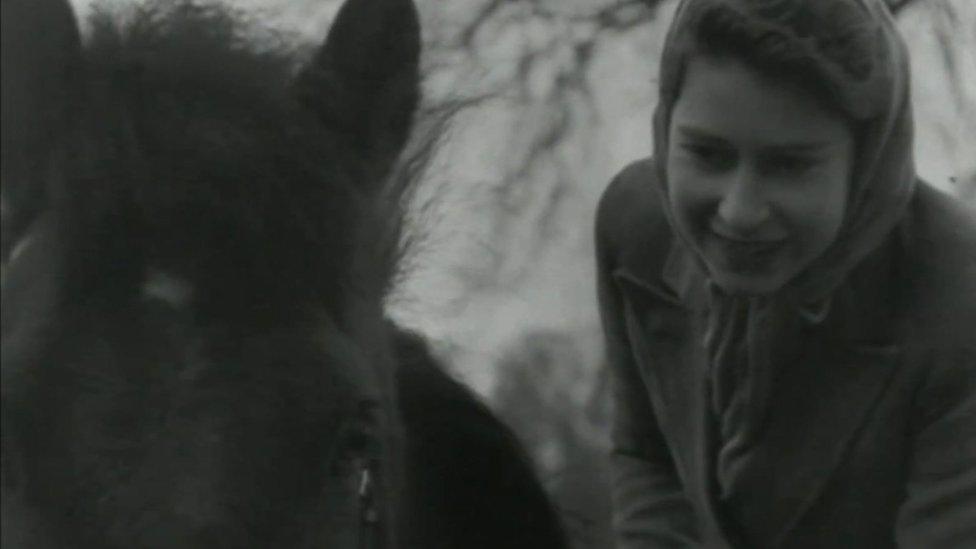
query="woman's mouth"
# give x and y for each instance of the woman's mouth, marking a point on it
(748, 246)
(747, 254)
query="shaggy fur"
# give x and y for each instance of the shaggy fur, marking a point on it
(465, 463)
(194, 350)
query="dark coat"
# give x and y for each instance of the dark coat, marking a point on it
(871, 436)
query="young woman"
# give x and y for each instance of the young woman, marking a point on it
(790, 315)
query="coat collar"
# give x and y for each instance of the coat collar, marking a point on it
(819, 404)
(681, 271)
(858, 313)
(678, 279)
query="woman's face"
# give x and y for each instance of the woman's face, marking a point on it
(758, 174)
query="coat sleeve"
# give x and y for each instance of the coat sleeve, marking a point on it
(939, 511)
(650, 508)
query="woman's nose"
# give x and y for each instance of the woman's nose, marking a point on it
(743, 209)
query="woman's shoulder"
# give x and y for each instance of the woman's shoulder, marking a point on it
(631, 224)
(939, 266)
(939, 269)
(935, 214)
(940, 244)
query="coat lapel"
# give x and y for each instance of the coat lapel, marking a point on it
(821, 402)
(664, 316)
(817, 407)
(818, 404)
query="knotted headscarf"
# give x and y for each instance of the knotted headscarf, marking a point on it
(860, 60)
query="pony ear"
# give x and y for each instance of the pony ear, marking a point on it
(364, 80)
(41, 58)
(41, 54)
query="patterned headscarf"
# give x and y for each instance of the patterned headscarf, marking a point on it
(859, 58)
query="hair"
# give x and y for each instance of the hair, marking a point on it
(225, 158)
(195, 349)
(819, 47)
(723, 32)
(849, 55)
(192, 151)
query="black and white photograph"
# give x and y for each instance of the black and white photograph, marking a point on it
(488, 274)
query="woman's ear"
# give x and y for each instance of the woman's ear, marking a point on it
(363, 83)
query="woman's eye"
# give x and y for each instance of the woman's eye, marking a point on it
(710, 156)
(788, 165)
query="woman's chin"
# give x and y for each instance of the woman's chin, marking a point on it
(748, 272)
(748, 284)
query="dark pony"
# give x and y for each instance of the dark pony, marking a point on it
(198, 234)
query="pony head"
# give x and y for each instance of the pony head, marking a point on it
(198, 235)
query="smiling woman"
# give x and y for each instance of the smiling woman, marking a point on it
(787, 309)
(759, 174)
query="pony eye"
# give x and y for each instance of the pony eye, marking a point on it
(357, 439)
(352, 444)
(359, 435)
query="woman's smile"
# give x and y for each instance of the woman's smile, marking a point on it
(758, 174)
(743, 252)
(778, 272)
(743, 256)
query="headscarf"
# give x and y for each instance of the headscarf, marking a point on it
(860, 59)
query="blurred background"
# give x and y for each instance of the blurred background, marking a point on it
(558, 97)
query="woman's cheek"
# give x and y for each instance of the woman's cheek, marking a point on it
(693, 196)
(816, 209)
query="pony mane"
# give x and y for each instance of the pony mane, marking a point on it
(192, 152)
(195, 350)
